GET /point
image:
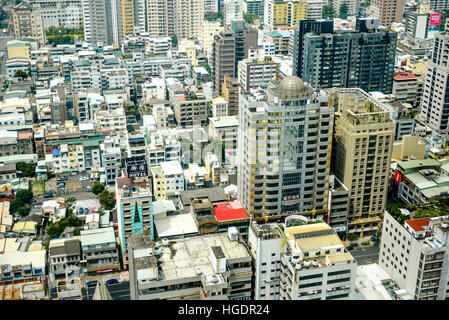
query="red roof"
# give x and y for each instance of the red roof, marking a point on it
(404, 75)
(418, 224)
(229, 211)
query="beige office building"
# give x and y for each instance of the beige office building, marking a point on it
(387, 11)
(363, 142)
(27, 22)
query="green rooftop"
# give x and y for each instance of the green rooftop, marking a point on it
(415, 165)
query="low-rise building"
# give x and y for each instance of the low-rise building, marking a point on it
(205, 267)
(99, 250)
(419, 181)
(64, 257)
(302, 262)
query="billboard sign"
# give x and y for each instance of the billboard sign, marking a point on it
(434, 22)
(136, 167)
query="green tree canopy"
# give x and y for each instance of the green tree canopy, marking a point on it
(249, 17)
(24, 196)
(21, 74)
(97, 188)
(343, 11)
(27, 169)
(328, 12)
(107, 200)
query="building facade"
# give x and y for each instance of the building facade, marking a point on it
(284, 150)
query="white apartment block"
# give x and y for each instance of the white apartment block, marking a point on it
(415, 255)
(174, 177)
(163, 146)
(233, 10)
(154, 89)
(65, 13)
(219, 107)
(111, 160)
(163, 116)
(158, 46)
(208, 30)
(256, 73)
(302, 262)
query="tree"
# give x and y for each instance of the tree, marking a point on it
(20, 74)
(343, 11)
(97, 188)
(27, 169)
(328, 12)
(107, 200)
(24, 211)
(249, 17)
(70, 200)
(24, 196)
(174, 41)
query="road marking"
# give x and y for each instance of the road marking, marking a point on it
(124, 295)
(119, 291)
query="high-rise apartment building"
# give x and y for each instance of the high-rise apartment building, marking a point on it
(230, 47)
(439, 5)
(187, 18)
(127, 15)
(319, 26)
(349, 59)
(353, 6)
(158, 17)
(63, 13)
(255, 73)
(283, 13)
(284, 152)
(387, 11)
(301, 262)
(435, 99)
(255, 7)
(415, 254)
(233, 10)
(211, 6)
(98, 16)
(134, 209)
(223, 58)
(245, 39)
(208, 31)
(363, 143)
(27, 22)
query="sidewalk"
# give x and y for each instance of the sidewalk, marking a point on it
(120, 276)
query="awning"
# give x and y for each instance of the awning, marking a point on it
(104, 271)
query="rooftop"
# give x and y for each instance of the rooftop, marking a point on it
(229, 211)
(418, 224)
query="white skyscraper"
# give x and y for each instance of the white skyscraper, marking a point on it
(284, 150)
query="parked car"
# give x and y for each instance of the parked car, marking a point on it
(86, 210)
(84, 177)
(62, 178)
(90, 283)
(111, 281)
(349, 248)
(80, 210)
